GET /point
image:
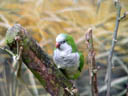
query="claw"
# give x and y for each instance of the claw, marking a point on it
(72, 90)
(75, 90)
(69, 91)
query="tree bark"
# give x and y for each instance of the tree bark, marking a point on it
(38, 62)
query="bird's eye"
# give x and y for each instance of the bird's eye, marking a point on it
(63, 42)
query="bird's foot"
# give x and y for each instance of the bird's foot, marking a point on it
(67, 89)
(72, 90)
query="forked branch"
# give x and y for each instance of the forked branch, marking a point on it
(114, 41)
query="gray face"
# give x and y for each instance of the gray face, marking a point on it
(61, 39)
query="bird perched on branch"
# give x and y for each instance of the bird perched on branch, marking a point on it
(67, 58)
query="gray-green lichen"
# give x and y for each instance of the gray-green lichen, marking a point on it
(12, 33)
(42, 81)
(52, 79)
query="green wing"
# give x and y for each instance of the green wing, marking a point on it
(71, 42)
(81, 61)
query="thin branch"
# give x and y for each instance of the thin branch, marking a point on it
(114, 83)
(103, 88)
(121, 64)
(92, 63)
(124, 15)
(5, 22)
(127, 90)
(109, 69)
(8, 51)
(122, 93)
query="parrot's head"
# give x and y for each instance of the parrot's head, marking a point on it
(61, 41)
(65, 42)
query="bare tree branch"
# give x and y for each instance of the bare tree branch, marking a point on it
(127, 90)
(92, 63)
(114, 40)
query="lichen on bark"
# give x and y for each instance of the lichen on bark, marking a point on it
(38, 61)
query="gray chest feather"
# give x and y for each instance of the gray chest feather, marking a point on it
(66, 59)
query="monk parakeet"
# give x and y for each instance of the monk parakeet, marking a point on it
(67, 58)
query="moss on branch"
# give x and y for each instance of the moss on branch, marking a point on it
(38, 62)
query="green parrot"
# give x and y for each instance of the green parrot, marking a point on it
(67, 58)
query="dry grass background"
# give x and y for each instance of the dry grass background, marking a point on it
(45, 19)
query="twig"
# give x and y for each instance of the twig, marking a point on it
(109, 69)
(92, 63)
(122, 93)
(103, 88)
(98, 5)
(8, 51)
(121, 64)
(127, 90)
(71, 9)
(125, 14)
(5, 22)
(114, 82)
(16, 58)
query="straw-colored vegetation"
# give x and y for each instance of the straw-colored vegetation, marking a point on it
(45, 19)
